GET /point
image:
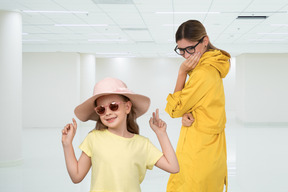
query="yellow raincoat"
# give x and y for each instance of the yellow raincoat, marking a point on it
(201, 149)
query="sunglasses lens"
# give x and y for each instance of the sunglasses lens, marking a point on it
(100, 110)
(114, 106)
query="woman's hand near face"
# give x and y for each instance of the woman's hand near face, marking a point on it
(190, 63)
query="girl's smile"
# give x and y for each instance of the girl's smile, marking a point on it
(111, 120)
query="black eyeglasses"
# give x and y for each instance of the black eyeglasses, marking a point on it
(189, 49)
(101, 110)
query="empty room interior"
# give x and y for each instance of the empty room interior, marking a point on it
(52, 52)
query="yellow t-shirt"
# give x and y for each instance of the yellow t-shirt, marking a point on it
(118, 164)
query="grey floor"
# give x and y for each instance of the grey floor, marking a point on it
(257, 160)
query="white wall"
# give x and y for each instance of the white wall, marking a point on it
(229, 88)
(50, 88)
(51, 84)
(261, 81)
(154, 78)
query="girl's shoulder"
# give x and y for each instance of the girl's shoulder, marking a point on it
(95, 133)
(142, 139)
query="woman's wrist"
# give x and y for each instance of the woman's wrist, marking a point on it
(182, 72)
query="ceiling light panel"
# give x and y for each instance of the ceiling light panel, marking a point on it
(252, 17)
(55, 12)
(40, 5)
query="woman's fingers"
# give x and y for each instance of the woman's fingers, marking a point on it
(193, 59)
(190, 116)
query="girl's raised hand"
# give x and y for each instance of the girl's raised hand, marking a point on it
(156, 123)
(69, 132)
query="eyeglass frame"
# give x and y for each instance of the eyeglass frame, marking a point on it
(185, 49)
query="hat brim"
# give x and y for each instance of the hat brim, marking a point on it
(85, 111)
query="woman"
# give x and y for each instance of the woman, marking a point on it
(201, 148)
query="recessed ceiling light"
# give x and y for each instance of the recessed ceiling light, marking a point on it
(272, 33)
(187, 12)
(108, 40)
(133, 29)
(171, 25)
(252, 17)
(80, 25)
(40, 11)
(268, 40)
(34, 40)
(126, 53)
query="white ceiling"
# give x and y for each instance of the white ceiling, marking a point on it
(146, 28)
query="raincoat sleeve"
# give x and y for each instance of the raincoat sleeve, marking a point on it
(196, 87)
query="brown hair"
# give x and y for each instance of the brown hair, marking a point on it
(193, 30)
(132, 125)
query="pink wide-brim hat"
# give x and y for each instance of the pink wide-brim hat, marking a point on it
(107, 86)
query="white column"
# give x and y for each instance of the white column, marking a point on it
(87, 82)
(87, 76)
(11, 88)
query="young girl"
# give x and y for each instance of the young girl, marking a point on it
(119, 156)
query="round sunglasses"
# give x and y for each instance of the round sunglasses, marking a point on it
(101, 110)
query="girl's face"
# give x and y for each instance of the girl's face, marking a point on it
(113, 117)
(188, 48)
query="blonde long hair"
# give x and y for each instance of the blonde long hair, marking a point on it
(132, 125)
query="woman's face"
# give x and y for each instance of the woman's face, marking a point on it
(188, 48)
